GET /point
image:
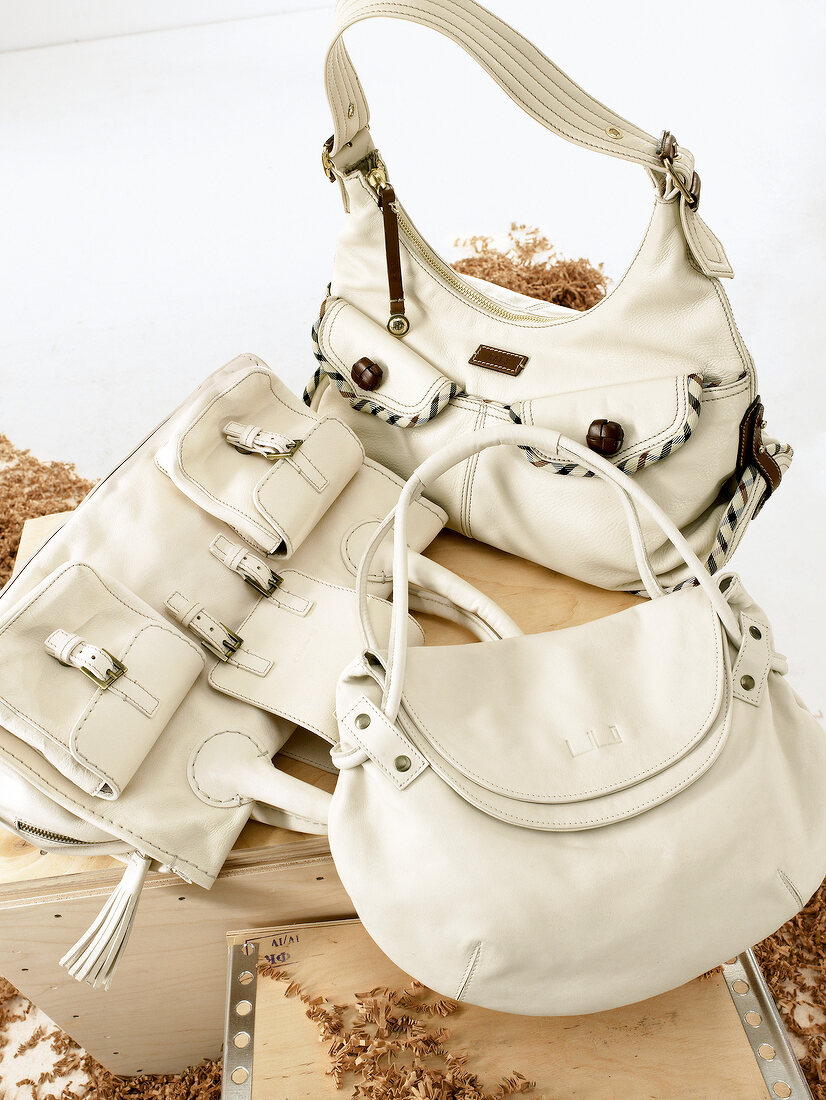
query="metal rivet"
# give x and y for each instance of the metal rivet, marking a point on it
(755, 632)
(402, 763)
(747, 682)
(613, 132)
(351, 110)
(362, 721)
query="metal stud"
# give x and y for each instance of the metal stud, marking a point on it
(398, 325)
(351, 110)
(402, 763)
(362, 721)
(747, 682)
(756, 632)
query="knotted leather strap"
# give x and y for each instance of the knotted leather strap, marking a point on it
(547, 440)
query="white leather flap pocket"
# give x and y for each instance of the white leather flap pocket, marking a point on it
(252, 456)
(90, 675)
(581, 727)
(656, 417)
(307, 630)
(411, 391)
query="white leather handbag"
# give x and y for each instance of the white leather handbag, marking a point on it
(159, 649)
(655, 377)
(566, 822)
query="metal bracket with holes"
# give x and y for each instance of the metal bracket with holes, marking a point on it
(764, 1029)
(239, 1028)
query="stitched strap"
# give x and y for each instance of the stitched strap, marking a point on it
(248, 566)
(101, 667)
(213, 635)
(536, 85)
(250, 439)
(529, 77)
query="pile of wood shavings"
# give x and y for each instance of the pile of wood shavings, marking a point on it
(530, 265)
(793, 961)
(30, 488)
(386, 1045)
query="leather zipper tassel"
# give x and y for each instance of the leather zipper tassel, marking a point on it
(398, 323)
(95, 956)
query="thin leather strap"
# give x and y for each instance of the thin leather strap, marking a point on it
(516, 435)
(530, 78)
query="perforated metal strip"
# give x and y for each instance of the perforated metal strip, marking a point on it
(764, 1029)
(239, 1028)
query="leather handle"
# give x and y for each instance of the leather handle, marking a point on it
(549, 441)
(530, 78)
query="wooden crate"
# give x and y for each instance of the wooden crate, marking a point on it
(165, 1009)
(683, 1044)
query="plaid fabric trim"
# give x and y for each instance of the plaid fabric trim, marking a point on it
(367, 404)
(634, 463)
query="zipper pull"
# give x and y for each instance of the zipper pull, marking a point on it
(398, 324)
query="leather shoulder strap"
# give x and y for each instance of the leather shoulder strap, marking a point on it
(534, 83)
(530, 78)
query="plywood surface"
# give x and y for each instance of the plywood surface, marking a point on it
(686, 1043)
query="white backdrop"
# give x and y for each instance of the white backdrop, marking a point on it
(164, 209)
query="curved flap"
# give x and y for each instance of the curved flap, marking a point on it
(577, 727)
(410, 391)
(97, 734)
(272, 498)
(657, 416)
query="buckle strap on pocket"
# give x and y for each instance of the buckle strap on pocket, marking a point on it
(101, 667)
(249, 439)
(214, 636)
(248, 566)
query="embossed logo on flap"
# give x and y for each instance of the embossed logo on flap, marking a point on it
(506, 362)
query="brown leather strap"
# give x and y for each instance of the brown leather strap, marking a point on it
(395, 286)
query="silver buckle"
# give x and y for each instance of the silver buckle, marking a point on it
(229, 645)
(106, 682)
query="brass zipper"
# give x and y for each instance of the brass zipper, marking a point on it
(378, 179)
(47, 834)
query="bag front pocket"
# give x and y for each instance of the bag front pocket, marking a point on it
(90, 676)
(253, 457)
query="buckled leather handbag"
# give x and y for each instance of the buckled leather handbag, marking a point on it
(583, 818)
(199, 604)
(655, 377)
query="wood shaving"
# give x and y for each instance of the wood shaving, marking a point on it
(384, 1046)
(530, 265)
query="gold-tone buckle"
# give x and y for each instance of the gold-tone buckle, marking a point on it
(668, 151)
(253, 582)
(115, 674)
(226, 648)
(273, 456)
(326, 161)
(293, 447)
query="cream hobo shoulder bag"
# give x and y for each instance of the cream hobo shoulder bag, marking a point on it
(161, 647)
(655, 377)
(579, 819)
